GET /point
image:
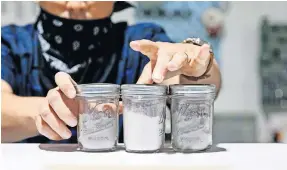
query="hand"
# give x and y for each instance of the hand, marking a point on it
(61, 109)
(171, 59)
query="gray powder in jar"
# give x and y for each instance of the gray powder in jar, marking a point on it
(192, 126)
(98, 129)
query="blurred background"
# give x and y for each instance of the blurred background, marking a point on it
(250, 44)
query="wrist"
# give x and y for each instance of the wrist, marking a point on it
(18, 117)
(201, 72)
(30, 109)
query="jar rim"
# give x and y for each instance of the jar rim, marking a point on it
(192, 89)
(143, 89)
(97, 88)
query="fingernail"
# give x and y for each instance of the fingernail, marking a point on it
(135, 45)
(66, 135)
(73, 122)
(71, 93)
(172, 67)
(157, 78)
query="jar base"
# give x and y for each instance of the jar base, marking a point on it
(83, 149)
(181, 150)
(142, 151)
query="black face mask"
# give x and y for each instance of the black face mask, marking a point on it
(72, 45)
(71, 38)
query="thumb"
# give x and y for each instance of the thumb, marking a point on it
(66, 84)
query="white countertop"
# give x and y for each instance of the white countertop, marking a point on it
(65, 157)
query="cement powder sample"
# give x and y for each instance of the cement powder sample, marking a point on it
(143, 132)
(192, 126)
(144, 126)
(98, 130)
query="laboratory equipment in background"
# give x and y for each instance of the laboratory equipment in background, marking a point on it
(273, 71)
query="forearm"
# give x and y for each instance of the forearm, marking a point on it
(18, 117)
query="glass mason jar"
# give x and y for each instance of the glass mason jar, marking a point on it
(98, 116)
(144, 117)
(192, 117)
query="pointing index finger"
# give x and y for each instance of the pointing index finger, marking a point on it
(146, 47)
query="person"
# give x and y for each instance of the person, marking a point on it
(76, 42)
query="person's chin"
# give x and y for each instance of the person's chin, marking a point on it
(76, 16)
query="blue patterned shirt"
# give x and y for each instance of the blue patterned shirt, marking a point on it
(21, 61)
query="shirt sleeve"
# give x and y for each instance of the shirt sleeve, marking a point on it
(7, 66)
(161, 35)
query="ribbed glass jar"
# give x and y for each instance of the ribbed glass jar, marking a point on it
(98, 116)
(192, 116)
(144, 117)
